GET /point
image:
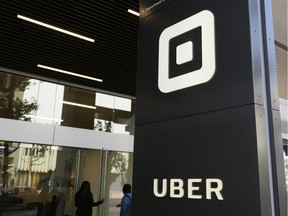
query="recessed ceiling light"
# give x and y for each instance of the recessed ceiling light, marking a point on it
(77, 104)
(133, 12)
(55, 28)
(69, 73)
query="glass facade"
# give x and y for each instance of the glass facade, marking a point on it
(119, 173)
(32, 174)
(42, 180)
(27, 99)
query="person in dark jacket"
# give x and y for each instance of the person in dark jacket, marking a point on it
(84, 200)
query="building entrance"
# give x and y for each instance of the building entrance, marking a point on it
(43, 179)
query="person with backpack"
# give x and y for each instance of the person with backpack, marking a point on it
(126, 201)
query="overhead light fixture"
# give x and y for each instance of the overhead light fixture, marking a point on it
(69, 73)
(133, 12)
(55, 28)
(77, 104)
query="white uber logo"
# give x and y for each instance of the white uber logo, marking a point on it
(184, 53)
(178, 189)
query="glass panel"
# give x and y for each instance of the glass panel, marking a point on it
(120, 166)
(124, 120)
(42, 179)
(12, 103)
(78, 108)
(33, 176)
(47, 96)
(90, 170)
(114, 114)
(38, 101)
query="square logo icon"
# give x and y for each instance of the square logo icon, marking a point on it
(187, 53)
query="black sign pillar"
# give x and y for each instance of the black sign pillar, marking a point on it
(207, 138)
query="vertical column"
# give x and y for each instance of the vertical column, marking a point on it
(204, 139)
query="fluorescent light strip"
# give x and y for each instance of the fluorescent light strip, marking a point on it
(133, 12)
(77, 104)
(55, 28)
(41, 117)
(69, 73)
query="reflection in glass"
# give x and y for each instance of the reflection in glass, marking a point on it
(12, 103)
(32, 174)
(43, 102)
(36, 178)
(119, 173)
(47, 94)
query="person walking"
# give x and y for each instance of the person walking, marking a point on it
(84, 200)
(126, 201)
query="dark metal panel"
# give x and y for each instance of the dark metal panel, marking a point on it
(204, 146)
(148, 7)
(234, 81)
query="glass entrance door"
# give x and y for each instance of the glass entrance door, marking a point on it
(42, 180)
(118, 172)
